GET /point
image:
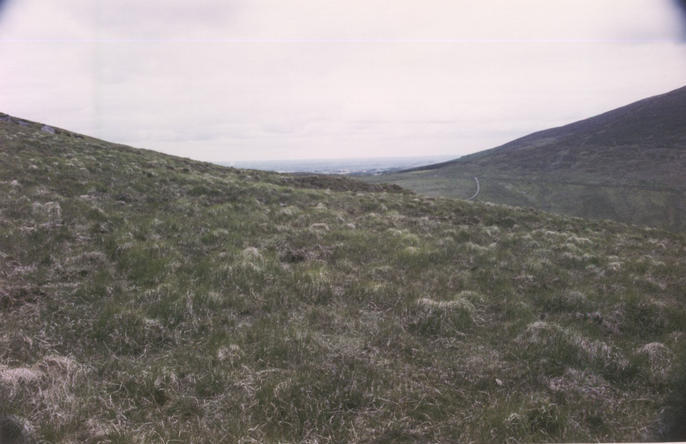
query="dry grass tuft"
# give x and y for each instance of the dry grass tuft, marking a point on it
(660, 359)
(147, 298)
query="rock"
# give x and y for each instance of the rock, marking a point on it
(48, 129)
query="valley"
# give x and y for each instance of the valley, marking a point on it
(626, 165)
(147, 297)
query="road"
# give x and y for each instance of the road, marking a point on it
(478, 188)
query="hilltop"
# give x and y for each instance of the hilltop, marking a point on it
(146, 297)
(627, 164)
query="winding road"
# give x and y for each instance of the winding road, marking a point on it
(478, 188)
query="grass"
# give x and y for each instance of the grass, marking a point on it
(563, 193)
(178, 301)
(625, 165)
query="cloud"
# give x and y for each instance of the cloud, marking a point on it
(239, 79)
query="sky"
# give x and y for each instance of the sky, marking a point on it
(232, 80)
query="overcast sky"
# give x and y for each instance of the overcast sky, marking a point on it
(226, 80)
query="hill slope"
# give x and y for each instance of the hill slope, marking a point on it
(628, 164)
(146, 297)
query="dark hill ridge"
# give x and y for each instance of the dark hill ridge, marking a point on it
(627, 164)
(646, 138)
(150, 298)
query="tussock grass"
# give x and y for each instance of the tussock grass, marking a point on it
(151, 298)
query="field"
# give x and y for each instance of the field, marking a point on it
(150, 298)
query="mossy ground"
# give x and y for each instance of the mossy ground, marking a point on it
(149, 298)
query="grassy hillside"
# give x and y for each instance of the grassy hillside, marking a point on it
(149, 298)
(628, 165)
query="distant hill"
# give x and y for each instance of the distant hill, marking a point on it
(151, 298)
(353, 166)
(628, 164)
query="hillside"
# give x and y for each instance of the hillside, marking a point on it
(627, 164)
(150, 298)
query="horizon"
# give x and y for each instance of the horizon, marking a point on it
(263, 81)
(332, 159)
